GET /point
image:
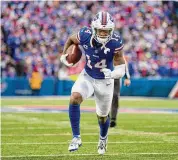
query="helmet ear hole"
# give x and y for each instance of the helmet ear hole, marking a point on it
(110, 30)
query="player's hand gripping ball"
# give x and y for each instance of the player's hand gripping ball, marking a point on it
(72, 56)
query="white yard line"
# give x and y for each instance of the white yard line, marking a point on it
(64, 123)
(120, 142)
(35, 120)
(123, 132)
(31, 128)
(132, 132)
(62, 126)
(73, 155)
(158, 126)
(46, 134)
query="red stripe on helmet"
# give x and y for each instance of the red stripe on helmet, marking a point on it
(104, 18)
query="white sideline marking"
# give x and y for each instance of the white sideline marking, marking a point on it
(111, 132)
(30, 128)
(119, 142)
(88, 128)
(73, 155)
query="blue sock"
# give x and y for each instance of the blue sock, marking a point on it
(74, 115)
(104, 128)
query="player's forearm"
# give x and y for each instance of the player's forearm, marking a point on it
(127, 74)
(71, 40)
(67, 44)
(119, 63)
(119, 59)
(118, 72)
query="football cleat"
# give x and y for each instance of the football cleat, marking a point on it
(75, 144)
(102, 145)
(112, 124)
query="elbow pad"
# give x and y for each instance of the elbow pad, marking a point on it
(118, 72)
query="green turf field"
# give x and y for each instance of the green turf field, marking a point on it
(45, 136)
(150, 103)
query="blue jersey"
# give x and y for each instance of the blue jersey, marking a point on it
(98, 56)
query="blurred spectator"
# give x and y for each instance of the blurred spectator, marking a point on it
(35, 82)
(34, 33)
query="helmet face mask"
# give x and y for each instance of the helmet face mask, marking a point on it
(102, 27)
(102, 35)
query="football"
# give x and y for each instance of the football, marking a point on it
(74, 54)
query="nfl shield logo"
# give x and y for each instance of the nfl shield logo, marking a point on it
(85, 46)
(96, 51)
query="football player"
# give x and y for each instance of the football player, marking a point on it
(116, 95)
(102, 46)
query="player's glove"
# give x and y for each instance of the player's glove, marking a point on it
(127, 82)
(107, 72)
(117, 73)
(64, 61)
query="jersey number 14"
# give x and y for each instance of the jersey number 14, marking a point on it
(101, 64)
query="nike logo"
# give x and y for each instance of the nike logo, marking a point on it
(95, 56)
(107, 84)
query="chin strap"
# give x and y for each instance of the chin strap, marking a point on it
(105, 48)
(91, 40)
(103, 44)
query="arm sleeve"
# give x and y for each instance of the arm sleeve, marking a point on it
(119, 47)
(127, 74)
(118, 72)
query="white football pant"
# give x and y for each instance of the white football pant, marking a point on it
(102, 89)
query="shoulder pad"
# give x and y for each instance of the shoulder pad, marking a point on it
(116, 35)
(119, 44)
(84, 34)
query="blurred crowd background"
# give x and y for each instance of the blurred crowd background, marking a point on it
(33, 35)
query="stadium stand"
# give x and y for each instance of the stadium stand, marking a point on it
(33, 35)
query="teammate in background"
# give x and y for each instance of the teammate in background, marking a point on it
(116, 94)
(102, 46)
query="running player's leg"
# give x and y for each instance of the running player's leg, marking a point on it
(81, 90)
(115, 102)
(103, 99)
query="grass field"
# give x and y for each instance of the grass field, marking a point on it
(46, 135)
